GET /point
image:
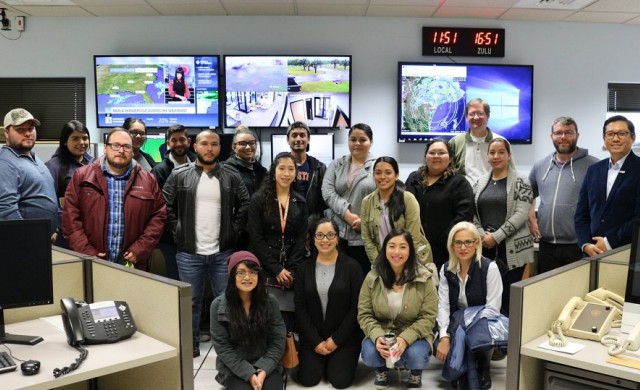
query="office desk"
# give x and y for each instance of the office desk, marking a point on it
(54, 352)
(592, 358)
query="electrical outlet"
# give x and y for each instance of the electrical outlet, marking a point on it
(20, 23)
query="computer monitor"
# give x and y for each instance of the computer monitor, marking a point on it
(320, 146)
(631, 314)
(26, 277)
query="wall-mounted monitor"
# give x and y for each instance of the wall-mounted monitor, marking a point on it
(161, 90)
(432, 98)
(275, 91)
(320, 147)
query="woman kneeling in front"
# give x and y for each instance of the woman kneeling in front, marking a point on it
(247, 330)
(397, 311)
(466, 280)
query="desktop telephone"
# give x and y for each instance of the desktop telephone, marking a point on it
(617, 347)
(96, 323)
(590, 319)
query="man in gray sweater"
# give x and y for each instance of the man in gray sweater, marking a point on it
(556, 179)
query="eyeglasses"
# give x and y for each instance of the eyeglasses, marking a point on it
(620, 134)
(242, 274)
(478, 114)
(437, 154)
(328, 236)
(137, 134)
(244, 144)
(466, 243)
(566, 133)
(115, 147)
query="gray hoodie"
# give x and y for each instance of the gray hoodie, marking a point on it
(558, 187)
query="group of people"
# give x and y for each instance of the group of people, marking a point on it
(364, 255)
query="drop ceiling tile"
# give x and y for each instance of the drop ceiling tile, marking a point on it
(401, 11)
(429, 3)
(470, 12)
(105, 3)
(189, 9)
(320, 2)
(554, 4)
(259, 9)
(601, 17)
(42, 10)
(337, 10)
(536, 15)
(122, 10)
(614, 6)
(480, 4)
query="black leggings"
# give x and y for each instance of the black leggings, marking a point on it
(358, 253)
(339, 367)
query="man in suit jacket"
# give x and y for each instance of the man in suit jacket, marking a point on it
(609, 200)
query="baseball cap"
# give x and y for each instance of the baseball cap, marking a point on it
(239, 256)
(18, 116)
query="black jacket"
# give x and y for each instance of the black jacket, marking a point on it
(163, 169)
(180, 194)
(340, 321)
(442, 205)
(315, 201)
(251, 176)
(266, 234)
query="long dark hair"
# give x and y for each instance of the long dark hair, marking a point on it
(424, 169)
(245, 330)
(179, 82)
(395, 205)
(66, 158)
(383, 268)
(269, 185)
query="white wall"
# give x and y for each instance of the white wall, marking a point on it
(573, 62)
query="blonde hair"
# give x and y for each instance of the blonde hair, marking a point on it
(458, 227)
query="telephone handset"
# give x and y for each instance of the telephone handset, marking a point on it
(606, 297)
(617, 347)
(96, 323)
(585, 320)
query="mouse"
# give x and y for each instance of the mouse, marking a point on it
(30, 367)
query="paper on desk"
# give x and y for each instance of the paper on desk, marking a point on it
(571, 348)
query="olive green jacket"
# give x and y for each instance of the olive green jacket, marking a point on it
(417, 316)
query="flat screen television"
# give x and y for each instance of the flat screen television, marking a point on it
(26, 276)
(275, 91)
(432, 98)
(320, 147)
(145, 87)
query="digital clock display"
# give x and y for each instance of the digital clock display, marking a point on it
(468, 42)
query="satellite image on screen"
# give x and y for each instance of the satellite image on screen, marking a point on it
(433, 104)
(130, 84)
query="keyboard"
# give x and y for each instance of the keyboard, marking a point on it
(6, 363)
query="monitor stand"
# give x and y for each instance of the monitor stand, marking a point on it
(6, 338)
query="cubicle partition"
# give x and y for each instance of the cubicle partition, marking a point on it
(536, 302)
(161, 308)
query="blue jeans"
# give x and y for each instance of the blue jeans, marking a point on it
(169, 253)
(415, 357)
(194, 269)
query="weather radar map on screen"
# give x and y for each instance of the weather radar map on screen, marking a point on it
(275, 91)
(161, 90)
(432, 99)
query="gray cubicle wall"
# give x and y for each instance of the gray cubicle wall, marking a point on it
(162, 309)
(160, 306)
(536, 302)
